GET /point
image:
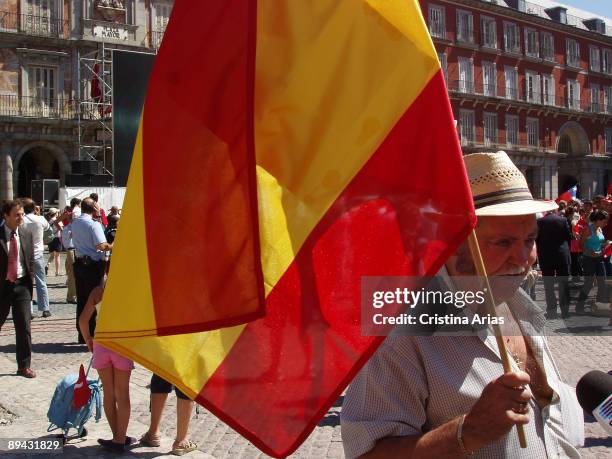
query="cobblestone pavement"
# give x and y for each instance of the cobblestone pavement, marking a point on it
(24, 403)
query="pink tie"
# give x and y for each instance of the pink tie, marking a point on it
(11, 274)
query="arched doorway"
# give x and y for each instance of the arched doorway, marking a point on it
(36, 164)
(573, 140)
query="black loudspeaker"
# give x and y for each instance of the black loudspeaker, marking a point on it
(81, 180)
(87, 167)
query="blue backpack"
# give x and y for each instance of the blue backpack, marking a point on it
(62, 415)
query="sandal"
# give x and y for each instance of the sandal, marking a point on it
(148, 440)
(185, 448)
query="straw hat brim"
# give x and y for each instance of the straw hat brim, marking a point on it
(516, 208)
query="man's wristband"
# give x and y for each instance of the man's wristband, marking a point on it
(460, 437)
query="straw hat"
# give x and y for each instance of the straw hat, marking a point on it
(499, 188)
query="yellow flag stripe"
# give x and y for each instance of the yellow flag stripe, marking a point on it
(319, 113)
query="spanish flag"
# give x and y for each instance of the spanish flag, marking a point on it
(287, 149)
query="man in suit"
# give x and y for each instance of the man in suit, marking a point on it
(16, 259)
(554, 236)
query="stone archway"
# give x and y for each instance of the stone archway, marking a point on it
(573, 140)
(38, 160)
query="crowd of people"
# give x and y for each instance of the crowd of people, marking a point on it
(85, 234)
(574, 249)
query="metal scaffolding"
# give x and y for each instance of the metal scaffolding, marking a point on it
(95, 124)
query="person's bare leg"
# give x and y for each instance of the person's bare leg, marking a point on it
(183, 416)
(56, 257)
(122, 397)
(110, 404)
(158, 401)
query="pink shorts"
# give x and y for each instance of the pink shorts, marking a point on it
(104, 358)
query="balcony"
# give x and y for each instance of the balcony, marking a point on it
(479, 141)
(467, 89)
(39, 26)
(36, 107)
(156, 38)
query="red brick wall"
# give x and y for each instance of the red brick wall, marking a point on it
(549, 123)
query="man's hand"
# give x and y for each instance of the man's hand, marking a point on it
(503, 403)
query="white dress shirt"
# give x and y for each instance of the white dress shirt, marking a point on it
(21, 269)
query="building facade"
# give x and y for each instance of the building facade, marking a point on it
(55, 81)
(533, 79)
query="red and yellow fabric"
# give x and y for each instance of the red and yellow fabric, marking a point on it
(337, 113)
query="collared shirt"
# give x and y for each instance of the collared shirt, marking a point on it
(21, 269)
(36, 225)
(414, 384)
(86, 235)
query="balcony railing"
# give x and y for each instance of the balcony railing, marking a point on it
(532, 97)
(41, 26)
(437, 29)
(520, 140)
(36, 107)
(532, 8)
(156, 38)
(573, 61)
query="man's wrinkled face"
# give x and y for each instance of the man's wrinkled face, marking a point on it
(14, 219)
(508, 244)
(508, 249)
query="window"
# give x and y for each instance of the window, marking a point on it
(532, 46)
(42, 90)
(489, 79)
(595, 63)
(572, 56)
(437, 21)
(490, 129)
(512, 128)
(443, 66)
(608, 99)
(162, 16)
(532, 87)
(466, 74)
(511, 76)
(489, 32)
(512, 39)
(466, 128)
(533, 133)
(548, 90)
(573, 94)
(41, 8)
(595, 106)
(606, 60)
(548, 47)
(41, 17)
(465, 27)
(608, 140)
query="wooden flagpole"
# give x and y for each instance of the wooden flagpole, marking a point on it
(490, 305)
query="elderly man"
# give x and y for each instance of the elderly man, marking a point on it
(16, 260)
(447, 396)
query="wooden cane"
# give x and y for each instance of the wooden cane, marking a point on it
(490, 305)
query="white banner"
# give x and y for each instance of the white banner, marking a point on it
(107, 196)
